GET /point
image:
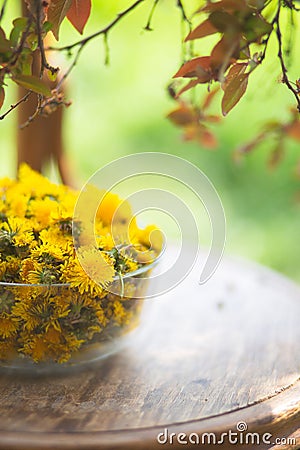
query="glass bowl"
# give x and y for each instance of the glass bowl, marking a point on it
(51, 327)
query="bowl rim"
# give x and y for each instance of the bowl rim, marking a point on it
(134, 273)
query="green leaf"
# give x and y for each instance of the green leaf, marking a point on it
(256, 27)
(224, 22)
(234, 91)
(32, 41)
(32, 83)
(19, 25)
(2, 96)
(25, 62)
(52, 75)
(57, 11)
(47, 26)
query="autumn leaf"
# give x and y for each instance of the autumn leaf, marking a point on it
(182, 115)
(57, 11)
(199, 133)
(209, 98)
(196, 67)
(225, 22)
(234, 92)
(235, 70)
(189, 85)
(79, 13)
(293, 130)
(205, 28)
(225, 5)
(32, 83)
(4, 43)
(276, 155)
(224, 53)
(2, 96)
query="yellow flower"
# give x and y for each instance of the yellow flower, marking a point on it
(40, 312)
(47, 252)
(113, 209)
(34, 183)
(19, 231)
(8, 326)
(17, 202)
(52, 322)
(56, 238)
(105, 242)
(8, 349)
(10, 269)
(90, 272)
(36, 348)
(41, 210)
(121, 316)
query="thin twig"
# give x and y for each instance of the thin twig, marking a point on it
(81, 44)
(67, 73)
(148, 24)
(183, 13)
(12, 107)
(2, 10)
(104, 30)
(285, 78)
(44, 62)
(34, 115)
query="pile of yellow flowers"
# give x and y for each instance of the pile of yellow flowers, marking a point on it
(50, 307)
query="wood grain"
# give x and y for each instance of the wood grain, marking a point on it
(204, 358)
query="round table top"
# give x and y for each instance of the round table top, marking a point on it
(205, 358)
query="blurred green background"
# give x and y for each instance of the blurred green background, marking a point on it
(120, 109)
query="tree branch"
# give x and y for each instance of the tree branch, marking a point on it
(12, 107)
(183, 13)
(82, 43)
(285, 78)
(104, 30)
(2, 10)
(44, 62)
(148, 24)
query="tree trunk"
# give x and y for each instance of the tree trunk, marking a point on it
(42, 140)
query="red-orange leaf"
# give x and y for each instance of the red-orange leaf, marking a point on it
(234, 92)
(276, 155)
(235, 71)
(189, 85)
(225, 5)
(204, 29)
(57, 11)
(293, 130)
(183, 116)
(79, 13)
(2, 96)
(197, 67)
(209, 98)
(224, 53)
(199, 133)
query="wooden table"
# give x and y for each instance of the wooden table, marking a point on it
(205, 359)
